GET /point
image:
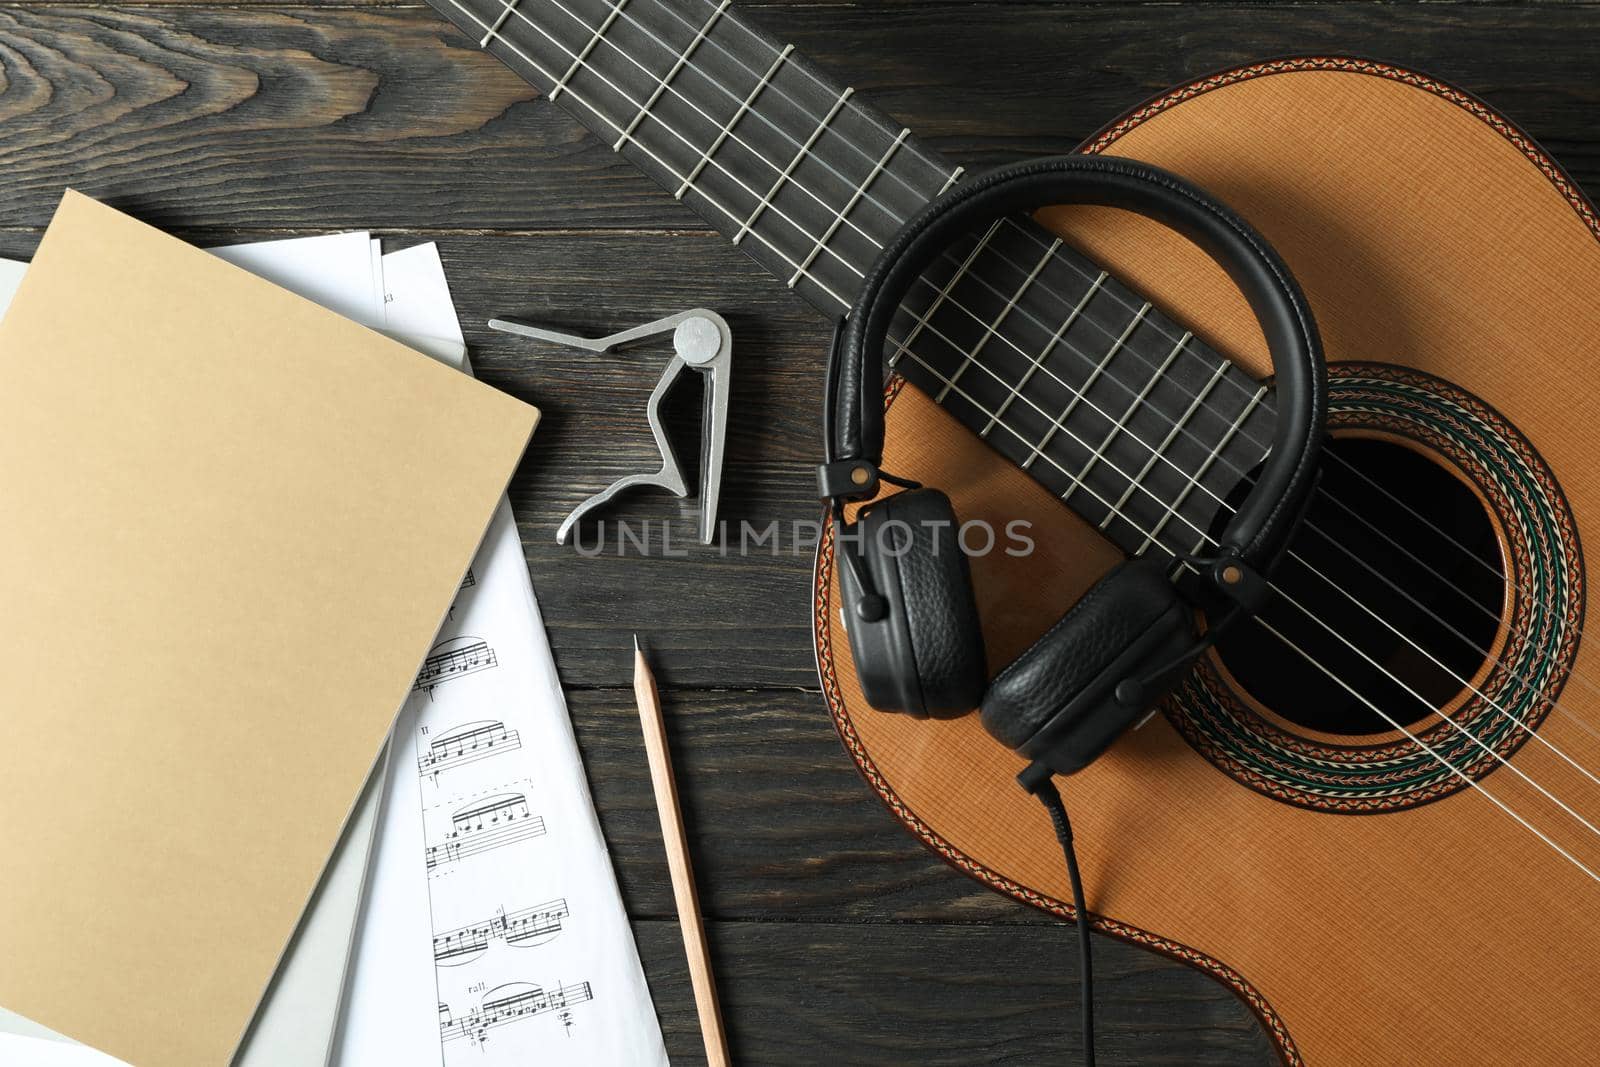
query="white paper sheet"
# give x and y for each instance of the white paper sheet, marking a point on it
(336, 271)
(11, 272)
(417, 304)
(48, 1049)
(494, 933)
(300, 1012)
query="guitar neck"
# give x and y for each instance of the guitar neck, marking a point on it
(1133, 421)
(799, 172)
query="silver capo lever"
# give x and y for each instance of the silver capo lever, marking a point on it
(701, 341)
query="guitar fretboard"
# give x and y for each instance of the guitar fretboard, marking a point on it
(1138, 425)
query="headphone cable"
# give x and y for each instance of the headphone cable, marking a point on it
(1046, 791)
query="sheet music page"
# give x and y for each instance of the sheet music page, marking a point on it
(336, 270)
(19, 1050)
(494, 931)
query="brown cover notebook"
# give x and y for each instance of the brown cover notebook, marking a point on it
(230, 524)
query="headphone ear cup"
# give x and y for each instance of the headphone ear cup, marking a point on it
(926, 655)
(1060, 696)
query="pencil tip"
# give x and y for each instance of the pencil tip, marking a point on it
(636, 642)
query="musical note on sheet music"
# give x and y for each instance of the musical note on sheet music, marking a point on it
(475, 847)
(484, 826)
(510, 1003)
(467, 744)
(452, 659)
(524, 928)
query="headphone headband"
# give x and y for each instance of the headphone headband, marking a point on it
(1263, 523)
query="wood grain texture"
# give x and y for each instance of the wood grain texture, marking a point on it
(190, 112)
(227, 121)
(948, 996)
(812, 843)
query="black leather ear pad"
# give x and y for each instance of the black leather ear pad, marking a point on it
(1119, 612)
(911, 547)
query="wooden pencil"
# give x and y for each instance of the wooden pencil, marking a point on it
(683, 890)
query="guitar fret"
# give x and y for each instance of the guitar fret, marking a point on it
(1172, 432)
(955, 176)
(1060, 420)
(993, 327)
(1117, 427)
(711, 201)
(1035, 363)
(582, 56)
(623, 73)
(705, 156)
(855, 198)
(683, 59)
(1211, 457)
(943, 294)
(494, 30)
(676, 86)
(785, 174)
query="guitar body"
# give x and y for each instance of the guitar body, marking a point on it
(1413, 919)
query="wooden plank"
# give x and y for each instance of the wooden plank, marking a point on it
(779, 823)
(326, 116)
(329, 116)
(733, 614)
(869, 994)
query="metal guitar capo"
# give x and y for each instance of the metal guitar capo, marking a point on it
(701, 341)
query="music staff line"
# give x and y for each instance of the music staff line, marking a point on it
(508, 1004)
(468, 744)
(452, 659)
(523, 928)
(489, 824)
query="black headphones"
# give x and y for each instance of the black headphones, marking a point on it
(907, 596)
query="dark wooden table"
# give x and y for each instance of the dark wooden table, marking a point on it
(836, 937)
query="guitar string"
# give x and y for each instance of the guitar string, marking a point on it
(664, 84)
(1433, 752)
(1242, 390)
(1194, 481)
(1513, 581)
(1223, 505)
(1434, 527)
(579, 62)
(494, 35)
(1424, 745)
(937, 166)
(1465, 682)
(766, 84)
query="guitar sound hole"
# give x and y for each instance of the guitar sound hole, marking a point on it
(1399, 559)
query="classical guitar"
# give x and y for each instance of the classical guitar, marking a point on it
(1372, 810)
